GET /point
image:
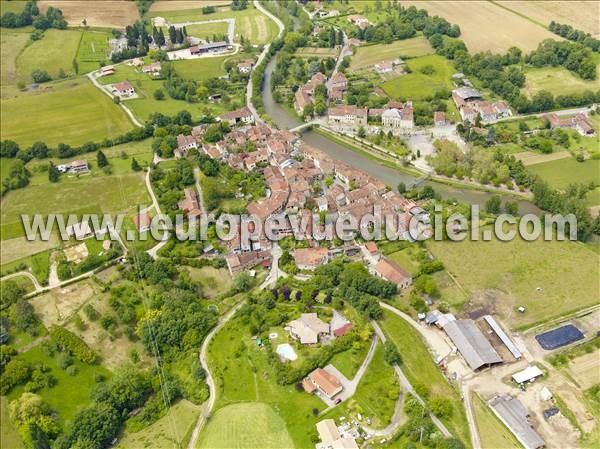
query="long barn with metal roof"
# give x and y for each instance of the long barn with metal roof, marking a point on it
(472, 344)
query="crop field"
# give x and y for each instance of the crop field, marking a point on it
(419, 85)
(557, 79)
(246, 425)
(369, 55)
(176, 5)
(93, 51)
(420, 368)
(146, 104)
(582, 15)
(55, 51)
(19, 247)
(168, 431)
(519, 268)
(531, 158)
(586, 369)
(493, 433)
(107, 13)
(486, 26)
(250, 23)
(73, 112)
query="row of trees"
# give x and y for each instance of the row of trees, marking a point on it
(568, 32)
(570, 55)
(138, 41)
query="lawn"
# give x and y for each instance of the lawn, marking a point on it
(405, 259)
(419, 368)
(72, 112)
(518, 269)
(63, 398)
(419, 85)
(22, 281)
(557, 79)
(9, 435)
(169, 431)
(196, 69)
(93, 50)
(55, 51)
(250, 23)
(308, 52)
(246, 425)
(349, 361)
(214, 281)
(207, 30)
(369, 55)
(38, 264)
(243, 373)
(77, 195)
(492, 432)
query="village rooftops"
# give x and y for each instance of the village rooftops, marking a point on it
(350, 110)
(185, 141)
(467, 93)
(392, 272)
(309, 258)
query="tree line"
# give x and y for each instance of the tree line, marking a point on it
(568, 32)
(31, 16)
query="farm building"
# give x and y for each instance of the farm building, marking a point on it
(242, 115)
(152, 69)
(80, 166)
(579, 122)
(391, 271)
(212, 47)
(472, 344)
(245, 67)
(190, 204)
(515, 416)
(185, 144)
(527, 375)
(503, 337)
(244, 261)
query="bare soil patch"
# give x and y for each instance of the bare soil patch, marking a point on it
(58, 305)
(107, 13)
(586, 369)
(76, 253)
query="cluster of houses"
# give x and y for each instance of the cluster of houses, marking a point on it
(470, 104)
(305, 95)
(579, 123)
(360, 21)
(291, 169)
(395, 116)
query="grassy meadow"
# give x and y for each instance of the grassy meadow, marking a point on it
(207, 30)
(70, 111)
(369, 55)
(519, 268)
(93, 50)
(557, 79)
(12, 43)
(429, 74)
(53, 53)
(419, 367)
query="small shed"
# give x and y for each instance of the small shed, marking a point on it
(527, 375)
(545, 394)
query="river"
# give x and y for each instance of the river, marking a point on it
(284, 120)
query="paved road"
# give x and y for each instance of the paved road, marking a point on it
(260, 59)
(209, 379)
(199, 189)
(275, 272)
(153, 252)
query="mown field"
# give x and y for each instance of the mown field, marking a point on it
(93, 50)
(54, 52)
(107, 13)
(560, 173)
(558, 79)
(250, 23)
(369, 55)
(419, 367)
(245, 425)
(429, 74)
(11, 45)
(174, 5)
(169, 431)
(519, 268)
(582, 15)
(486, 26)
(70, 111)
(207, 30)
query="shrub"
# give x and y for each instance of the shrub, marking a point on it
(40, 76)
(72, 343)
(64, 361)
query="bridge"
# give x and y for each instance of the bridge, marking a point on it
(302, 127)
(417, 182)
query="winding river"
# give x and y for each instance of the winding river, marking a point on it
(284, 120)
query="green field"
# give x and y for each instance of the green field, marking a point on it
(63, 397)
(242, 373)
(169, 431)
(196, 69)
(55, 51)
(492, 432)
(308, 52)
(418, 85)
(72, 112)
(562, 172)
(518, 269)
(369, 55)
(39, 264)
(419, 367)
(250, 23)
(86, 194)
(348, 362)
(377, 391)
(15, 6)
(93, 51)
(406, 260)
(558, 80)
(246, 425)
(207, 30)
(12, 42)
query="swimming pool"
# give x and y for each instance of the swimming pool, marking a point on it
(286, 351)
